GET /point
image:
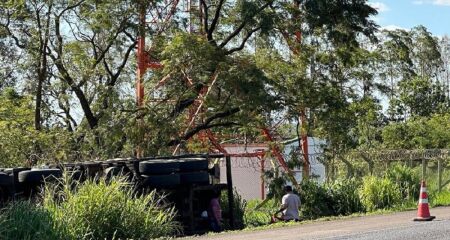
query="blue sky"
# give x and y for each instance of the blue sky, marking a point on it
(433, 14)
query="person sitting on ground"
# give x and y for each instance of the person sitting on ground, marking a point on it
(215, 212)
(290, 204)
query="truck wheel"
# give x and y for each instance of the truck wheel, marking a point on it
(194, 178)
(192, 165)
(92, 169)
(159, 167)
(5, 179)
(76, 175)
(161, 180)
(38, 175)
(117, 171)
(3, 196)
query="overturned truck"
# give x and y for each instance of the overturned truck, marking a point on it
(187, 180)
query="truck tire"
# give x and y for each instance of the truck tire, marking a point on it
(193, 165)
(76, 175)
(5, 179)
(38, 175)
(92, 169)
(117, 171)
(158, 167)
(194, 178)
(3, 195)
(161, 180)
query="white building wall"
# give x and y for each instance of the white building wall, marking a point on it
(246, 171)
(315, 150)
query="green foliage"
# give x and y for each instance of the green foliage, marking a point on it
(20, 143)
(407, 180)
(25, 220)
(316, 201)
(108, 210)
(379, 193)
(240, 206)
(422, 133)
(344, 193)
(89, 210)
(440, 199)
(262, 216)
(337, 198)
(276, 180)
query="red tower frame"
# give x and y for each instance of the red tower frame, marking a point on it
(144, 62)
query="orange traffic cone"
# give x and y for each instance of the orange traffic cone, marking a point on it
(423, 211)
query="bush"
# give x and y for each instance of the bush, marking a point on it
(316, 200)
(260, 217)
(23, 220)
(406, 179)
(344, 193)
(108, 210)
(379, 193)
(440, 198)
(239, 209)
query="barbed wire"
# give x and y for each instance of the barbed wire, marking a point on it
(399, 154)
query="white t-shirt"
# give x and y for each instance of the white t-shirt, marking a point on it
(291, 202)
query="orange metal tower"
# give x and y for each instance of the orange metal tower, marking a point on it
(145, 62)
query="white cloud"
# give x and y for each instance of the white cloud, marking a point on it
(434, 2)
(379, 6)
(442, 2)
(393, 27)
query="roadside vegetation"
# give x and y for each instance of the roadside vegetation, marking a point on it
(97, 209)
(394, 190)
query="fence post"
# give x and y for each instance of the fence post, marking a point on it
(424, 168)
(439, 175)
(263, 186)
(230, 192)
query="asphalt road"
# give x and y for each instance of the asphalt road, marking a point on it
(381, 227)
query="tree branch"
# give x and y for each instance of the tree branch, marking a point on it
(207, 125)
(92, 120)
(10, 33)
(240, 27)
(244, 41)
(70, 7)
(206, 17)
(215, 21)
(122, 65)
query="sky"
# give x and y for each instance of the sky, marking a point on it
(405, 14)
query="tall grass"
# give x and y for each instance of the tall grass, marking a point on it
(26, 221)
(379, 193)
(407, 179)
(108, 210)
(240, 206)
(97, 209)
(260, 217)
(344, 193)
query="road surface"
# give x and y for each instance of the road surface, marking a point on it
(381, 227)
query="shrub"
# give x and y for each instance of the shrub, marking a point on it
(316, 201)
(440, 198)
(406, 179)
(23, 220)
(108, 210)
(344, 193)
(254, 218)
(379, 193)
(239, 209)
